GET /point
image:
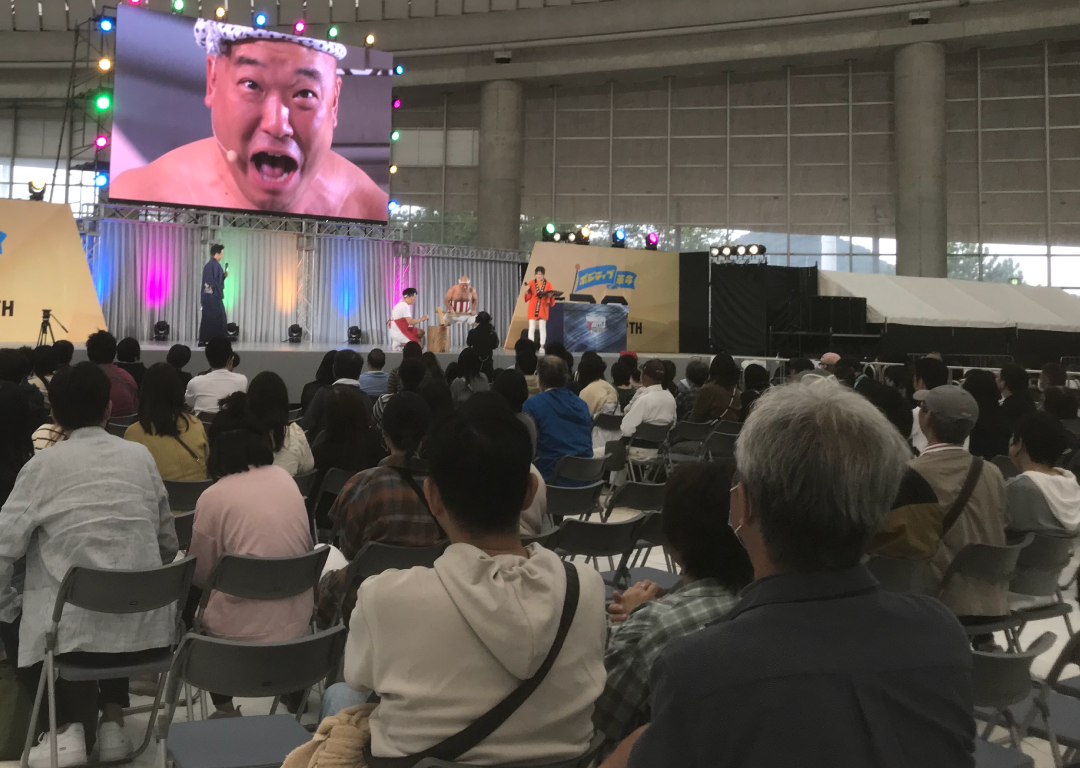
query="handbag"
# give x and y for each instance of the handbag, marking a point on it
(461, 742)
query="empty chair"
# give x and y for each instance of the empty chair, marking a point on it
(570, 502)
(644, 497)
(249, 670)
(900, 575)
(1038, 572)
(117, 592)
(184, 523)
(1004, 463)
(183, 494)
(595, 540)
(579, 469)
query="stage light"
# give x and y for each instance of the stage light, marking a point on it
(104, 64)
(103, 101)
(1014, 281)
(726, 251)
(714, 251)
(134, 2)
(105, 24)
(299, 26)
(161, 331)
(618, 238)
(583, 235)
(220, 12)
(369, 40)
(296, 334)
(571, 237)
(651, 241)
(393, 205)
(740, 250)
(260, 19)
(757, 250)
(399, 69)
(354, 334)
(397, 103)
(557, 237)
(548, 233)
(234, 331)
(393, 169)
(332, 32)
(101, 180)
(101, 141)
(37, 190)
(395, 135)
(178, 5)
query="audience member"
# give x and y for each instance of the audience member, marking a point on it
(324, 377)
(756, 379)
(670, 371)
(816, 664)
(206, 391)
(348, 442)
(1043, 498)
(483, 338)
(1016, 394)
(631, 360)
(652, 404)
(129, 358)
(92, 501)
(434, 370)
(971, 493)
(697, 373)
(373, 381)
(563, 423)
(899, 378)
(1062, 403)
(44, 368)
(16, 448)
(930, 372)
(14, 369)
(101, 350)
(799, 367)
(714, 570)
(1052, 375)
(451, 374)
(719, 399)
(348, 366)
(64, 350)
(556, 348)
(268, 398)
(255, 509)
(990, 437)
(436, 394)
(470, 379)
(178, 356)
(176, 440)
(492, 612)
(411, 375)
(600, 396)
(525, 361)
(621, 380)
(411, 350)
(510, 385)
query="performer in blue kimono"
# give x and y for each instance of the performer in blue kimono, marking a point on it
(213, 297)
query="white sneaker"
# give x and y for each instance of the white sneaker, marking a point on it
(112, 742)
(70, 749)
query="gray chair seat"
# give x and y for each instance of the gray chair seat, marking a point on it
(665, 579)
(988, 755)
(245, 742)
(157, 660)
(1069, 684)
(1064, 718)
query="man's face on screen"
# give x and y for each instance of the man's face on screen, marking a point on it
(275, 104)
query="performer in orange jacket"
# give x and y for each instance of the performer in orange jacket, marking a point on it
(539, 305)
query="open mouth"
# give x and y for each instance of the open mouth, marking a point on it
(274, 169)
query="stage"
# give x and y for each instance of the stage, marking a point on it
(297, 363)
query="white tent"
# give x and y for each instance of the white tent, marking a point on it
(955, 303)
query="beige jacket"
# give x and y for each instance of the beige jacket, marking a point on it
(981, 522)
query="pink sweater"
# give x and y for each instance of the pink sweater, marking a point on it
(261, 513)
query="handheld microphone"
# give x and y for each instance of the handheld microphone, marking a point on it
(226, 266)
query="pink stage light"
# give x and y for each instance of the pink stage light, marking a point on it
(653, 238)
(158, 286)
(299, 26)
(397, 103)
(101, 141)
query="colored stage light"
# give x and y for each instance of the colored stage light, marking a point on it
(103, 101)
(260, 19)
(399, 69)
(37, 189)
(369, 40)
(395, 135)
(583, 235)
(618, 238)
(548, 233)
(299, 26)
(178, 5)
(550, 229)
(101, 141)
(101, 180)
(104, 64)
(105, 24)
(332, 32)
(393, 169)
(397, 103)
(219, 12)
(134, 2)
(393, 205)
(651, 241)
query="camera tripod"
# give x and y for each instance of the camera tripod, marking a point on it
(46, 332)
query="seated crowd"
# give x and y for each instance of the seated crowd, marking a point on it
(776, 647)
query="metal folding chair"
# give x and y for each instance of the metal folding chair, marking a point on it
(720, 446)
(608, 421)
(595, 540)
(242, 669)
(374, 558)
(900, 575)
(184, 494)
(644, 497)
(295, 414)
(585, 761)
(184, 523)
(1038, 573)
(545, 540)
(579, 469)
(686, 442)
(646, 436)
(571, 502)
(117, 592)
(127, 421)
(650, 534)
(305, 481)
(117, 429)
(333, 481)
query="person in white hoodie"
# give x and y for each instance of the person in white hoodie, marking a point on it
(1043, 498)
(442, 646)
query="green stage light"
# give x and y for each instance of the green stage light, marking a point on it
(178, 5)
(103, 102)
(333, 32)
(395, 135)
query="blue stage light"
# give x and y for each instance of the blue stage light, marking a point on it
(260, 20)
(399, 70)
(393, 205)
(105, 24)
(101, 180)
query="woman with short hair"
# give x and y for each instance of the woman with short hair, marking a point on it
(469, 379)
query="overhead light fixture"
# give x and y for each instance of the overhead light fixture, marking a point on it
(584, 235)
(178, 6)
(161, 331)
(395, 135)
(726, 251)
(234, 331)
(393, 205)
(103, 101)
(714, 251)
(296, 334)
(219, 12)
(651, 241)
(571, 237)
(397, 103)
(618, 238)
(260, 19)
(557, 237)
(101, 141)
(399, 69)
(548, 235)
(332, 32)
(104, 64)
(101, 179)
(756, 250)
(369, 40)
(393, 169)
(299, 26)
(37, 190)
(354, 334)
(105, 24)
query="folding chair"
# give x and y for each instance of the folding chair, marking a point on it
(648, 437)
(650, 534)
(994, 566)
(104, 590)
(242, 669)
(644, 497)
(184, 523)
(295, 414)
(184, 494)
(579, 469)
(608, 421)
(545, 540)
(374, 558)
(585, 761)
(595, 540)
(900, 575)
(1038, 572)
(1004, 463)
(333, 481)
(117, 429)
(571, 502)
(126, 421)
(1000, 681)
(990, 755)
(729, 427)
(305, 481)
(687, 442)
(720, 446)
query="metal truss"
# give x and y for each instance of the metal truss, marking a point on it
(433, 251)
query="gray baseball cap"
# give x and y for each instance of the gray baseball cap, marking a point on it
(951, 403)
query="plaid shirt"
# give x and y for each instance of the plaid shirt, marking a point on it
(635, 645)
(376, 505)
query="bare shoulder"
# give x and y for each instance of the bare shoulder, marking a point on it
(361, 198)
(159, 179)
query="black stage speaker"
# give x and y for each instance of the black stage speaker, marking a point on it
(694, 302)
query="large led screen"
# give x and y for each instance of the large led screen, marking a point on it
(215, 115)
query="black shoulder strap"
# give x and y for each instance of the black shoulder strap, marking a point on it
(958, 506)
(463, 741)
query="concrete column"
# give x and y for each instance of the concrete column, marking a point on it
(921, 216)
(502, 145)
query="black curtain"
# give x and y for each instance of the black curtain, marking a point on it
(694, 302)
(740, 308)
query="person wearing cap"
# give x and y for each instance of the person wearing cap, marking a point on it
(930, 372)
(829, 362)
(403, 328)
(273, 101)
(461, 301)
(652, 404)
(947, 414)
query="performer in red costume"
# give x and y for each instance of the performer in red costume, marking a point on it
(541, 297)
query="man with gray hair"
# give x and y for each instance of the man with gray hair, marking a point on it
(816, 665)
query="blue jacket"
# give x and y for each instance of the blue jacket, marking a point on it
(563, 425)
